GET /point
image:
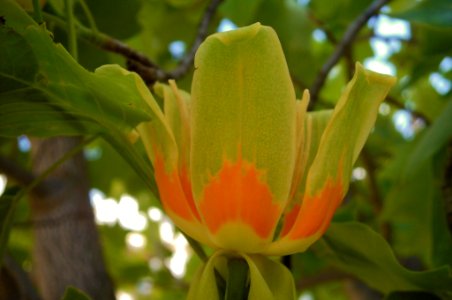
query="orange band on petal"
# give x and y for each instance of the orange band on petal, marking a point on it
(317, 211)
(289, 219)
(237, 194)
(175, 191)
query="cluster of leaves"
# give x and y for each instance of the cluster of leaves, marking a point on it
(401, 204)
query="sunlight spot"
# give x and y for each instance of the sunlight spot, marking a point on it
(390, 27)
(3, 181)
(379, 66)
(24, 144)
(402, 121)
(92, 153)
(121, 295)
(135, 240)
(359, 173)
(129, 215)
(178, 261)
(145, 287)
(318, 35)
(226, 25)
(155, 264)
(306, 296)
(155, 214)
(303, 2)
(166, 231)
(106, 211)
(446, 64)
(384, 109)
(441, 84)
(177, 49)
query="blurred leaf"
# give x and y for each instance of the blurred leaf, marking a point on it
(435, 138)
(431, 12)
(74, 294)
(8, 203)
(337, 14)
(56, 96)
(42, 85)
(116, 18)
(356, 249)
(412, 296)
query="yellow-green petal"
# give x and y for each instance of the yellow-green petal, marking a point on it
(243, 111)
(329, 174)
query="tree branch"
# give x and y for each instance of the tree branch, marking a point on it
(341, 48)
(153, 73)
(22, 176)
(393, 101)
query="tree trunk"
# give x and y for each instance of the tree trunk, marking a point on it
(66, 251)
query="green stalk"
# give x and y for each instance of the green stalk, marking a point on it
(72, 37)
(237, 287)
(89, 16)
(37, 11)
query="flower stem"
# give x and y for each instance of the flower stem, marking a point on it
(237, 287)
(72, 37)
(37, 11)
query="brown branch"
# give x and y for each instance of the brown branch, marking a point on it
(22, 176)
(203, 27)
(136, 60)
(329, 34)
(320, 278)
(393, 101)
(347, 39)
(153, 73)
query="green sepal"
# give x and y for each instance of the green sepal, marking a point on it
(268, 279)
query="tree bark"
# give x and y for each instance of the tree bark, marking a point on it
(67, 250)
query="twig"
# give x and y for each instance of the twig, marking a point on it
(103, 41)
(150, 74)
(347, 39)
(393, 101)
(188, 59)
(23, 177)
(138, 62)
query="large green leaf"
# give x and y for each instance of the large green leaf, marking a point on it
(435, 138)
(356, 249)
(36, 72)
(431, 12)
(44, 92)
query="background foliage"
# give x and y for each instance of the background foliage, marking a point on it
(392, 235)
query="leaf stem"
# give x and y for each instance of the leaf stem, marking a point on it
(89, 16)
(37, 11)
(237, 284)
(72, 37)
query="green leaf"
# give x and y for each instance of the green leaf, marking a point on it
(44, 92)
(435, 138)
(73, 293)
(42, 86)
(356, 249)
(431, 12)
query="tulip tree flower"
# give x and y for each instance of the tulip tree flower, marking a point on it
(241, 165)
